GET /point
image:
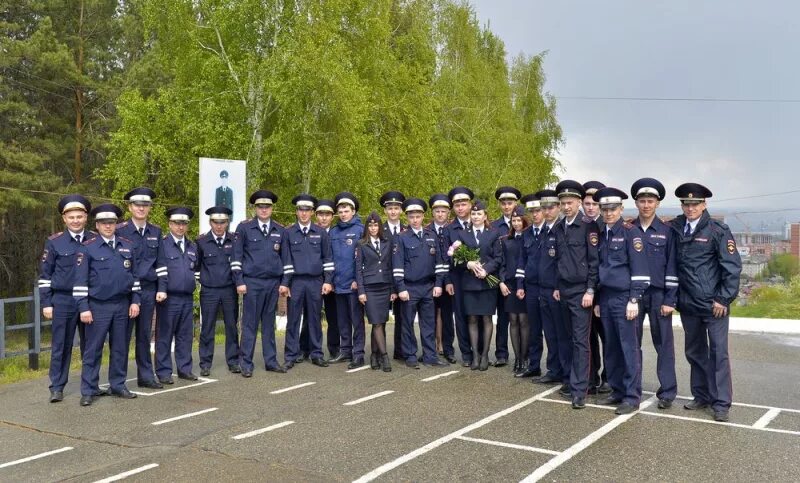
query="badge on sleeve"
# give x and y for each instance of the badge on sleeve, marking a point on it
(638, 245)
(79, 259)
(551, 252)
(277, 247)
(731, 247)
(349, 241)
(593, 239)
(433, 251)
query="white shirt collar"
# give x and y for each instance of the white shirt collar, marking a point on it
(262, 223)
(307, 227)
(177, 239)
(112, 239)
(135, 225)
(693, 224)
(81, 234)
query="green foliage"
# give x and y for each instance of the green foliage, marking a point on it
(772, 301)
(785, 264)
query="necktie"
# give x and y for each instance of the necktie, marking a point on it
(395, 231)
(110, 243)
(141, 232)
(478, 236)
(219, 241)
(264, 229)
(377, 246)
(305, 230)
(608, 235)
(439, 231)
(180, 245)
(419, 235)
(535, 233)
(688, 230)
(78, 238)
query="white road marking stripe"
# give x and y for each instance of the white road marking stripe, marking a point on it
(128, 473)
(509, 445)
(766, 418)
(176, 418)
(36, 457)
(581, 445)
(364, 399)
(357, 369)
(720, 423)
(744, 405)
(164, 391)
(383, 469)
(588, 405)
(262, 430)
(438, 376)
(292, 388)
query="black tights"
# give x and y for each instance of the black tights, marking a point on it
(488, 327)
(378, 339)
(518, 324)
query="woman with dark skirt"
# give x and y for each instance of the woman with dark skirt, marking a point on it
(375, 286)
(480, 298)
(514, 306)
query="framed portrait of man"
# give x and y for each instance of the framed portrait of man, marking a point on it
(223, 182)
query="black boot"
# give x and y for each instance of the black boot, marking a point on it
(374, 361)
(484, 362)
(385, 364)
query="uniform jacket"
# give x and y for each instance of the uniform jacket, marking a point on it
(103, 273)
(451, 235)
(373, 267)
(417, 260)
(388, 232)
(344, 237)
(491, 257)
(256, 255)
(512, 248)
(501, 225)
(175, 268)
(660, 244)
(576, 254)
(214, 262)
(307, 254)
(623, 261)
(57, 268)
(527, 262)
(146, 249)
(708, 265)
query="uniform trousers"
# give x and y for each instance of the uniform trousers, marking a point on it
(305, 303)
(578, 322)
(663, 341)
(109, 318)
(350, 315)
(419, 303)
(65, 322)
(623, 353)
(174, 321)
(142, 326)
(212, 299)
(707, 353)
(258, 308)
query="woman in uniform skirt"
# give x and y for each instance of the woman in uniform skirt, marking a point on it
(514, 307)
(375, 286)
(480, 298)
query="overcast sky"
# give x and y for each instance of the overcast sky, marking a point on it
(726, 49)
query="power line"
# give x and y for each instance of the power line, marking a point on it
(757, 196)
(680, 99)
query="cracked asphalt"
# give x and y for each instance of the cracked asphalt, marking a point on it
(466, 426)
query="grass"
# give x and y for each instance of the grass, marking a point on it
(772, 301)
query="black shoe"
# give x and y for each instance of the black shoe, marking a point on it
(356, 363)
(87, 400)
(288, 364)
(546, 379)
(205, 372)
(124, 394)
(564, 391)
(412, 364)
(101, 393)
(386, 365)
(500, 362)
(320, 362)
(664, 404)
(436, 363)
(529, 372)
(56, 396)
(625, 408)
(578, 403)
(475, 364)
(188, 377)
(333, 354)
(695, 404)
(398, 357)
(450, 358)
(279, 369)
(609, 401)
(166, 380)
(374, 361)
(150, 384)
(466, 363)
(603, 388)
(247, 373)
(721, 416)
(339, 358)
(234, 368)
(301, 358)
(484, 363)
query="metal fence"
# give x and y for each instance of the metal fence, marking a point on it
(18, 314)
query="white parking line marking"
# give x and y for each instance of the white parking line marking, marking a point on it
(262, 430)
(357, 369)
(509, 445)
(588, 405)
(744, 405)
(581, 445)
(438, 376)
(383, 469)
(767, 418)
(122, 476)
(720, 423)
(177, 418)
(292, 388)
(35, 457)
(364, 399)
(156, 392)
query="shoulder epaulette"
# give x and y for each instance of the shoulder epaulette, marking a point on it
(55, 235)
(123, 224)
(127, 240)
(587, 219)
(202, 235)
(89, 241)
(627, 224)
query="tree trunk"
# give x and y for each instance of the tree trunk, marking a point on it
(77, 162)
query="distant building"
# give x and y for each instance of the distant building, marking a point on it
(794, 239)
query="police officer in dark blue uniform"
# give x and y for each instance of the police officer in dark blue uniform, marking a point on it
(419, 270)
(258, 267)
(577, 261)
(526, 270)
(175, 268)
(508, 199)
(307, 253)
(107, 294)
(623, 279)
(709, 266)
(445, 330)
(324, 217)
(56, 280)
(146, 237)
(661, 296)
(461, 200)
(344, 236)
(217, 292)
(392, 202)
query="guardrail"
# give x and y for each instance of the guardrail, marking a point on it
(9, 323)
